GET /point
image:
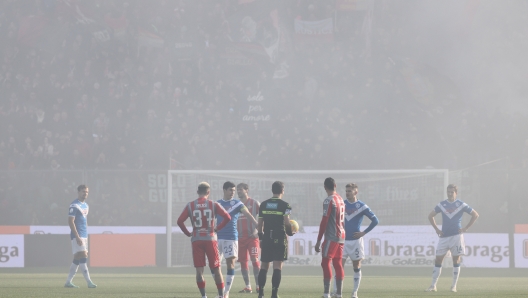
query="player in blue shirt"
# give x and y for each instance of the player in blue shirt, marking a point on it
(228, 236)
(451, 235)
(79, 237)
(354, 248)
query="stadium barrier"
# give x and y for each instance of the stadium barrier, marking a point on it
(409, 246)
(47, 250)
(122, 250)
(121, 247)
(12, 250)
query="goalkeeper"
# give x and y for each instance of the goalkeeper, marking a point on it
(273, 225)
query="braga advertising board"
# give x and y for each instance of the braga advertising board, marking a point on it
(396, 246)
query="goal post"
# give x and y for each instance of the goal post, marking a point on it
(398, 197)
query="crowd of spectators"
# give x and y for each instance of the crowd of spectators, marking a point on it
(113, 104)
(100, 85)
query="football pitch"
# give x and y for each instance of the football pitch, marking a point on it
(296, 282)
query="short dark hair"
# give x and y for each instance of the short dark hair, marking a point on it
(277, 187)
(203, 187)
(352, 185)
(453, 186)
(228, 185)
(81, 187)
(243, 186)
(329, 183)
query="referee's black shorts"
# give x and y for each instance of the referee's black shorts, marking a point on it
(273, 250)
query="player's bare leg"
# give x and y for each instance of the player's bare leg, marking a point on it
(219, 280)
(456, 272)
(436, 273)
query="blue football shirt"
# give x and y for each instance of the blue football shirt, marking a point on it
(452, 216)
(354, 213)
(233, 207)
(79, 210)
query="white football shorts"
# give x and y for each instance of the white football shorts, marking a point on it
(354, 249)
(77, 248)
(454, 243)
(227, 248)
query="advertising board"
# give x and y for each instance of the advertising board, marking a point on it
(520, 239)
(395, 246)
(11, 250)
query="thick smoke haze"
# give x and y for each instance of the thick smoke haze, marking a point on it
(91, 87)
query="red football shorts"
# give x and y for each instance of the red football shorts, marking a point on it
(332, 250)
(202, 248)
(248, 247)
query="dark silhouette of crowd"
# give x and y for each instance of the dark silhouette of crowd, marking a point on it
(85, 86)
(234, 84)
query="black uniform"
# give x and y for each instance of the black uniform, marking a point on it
(274, 245)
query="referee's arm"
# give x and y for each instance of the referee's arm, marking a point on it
(287, 225)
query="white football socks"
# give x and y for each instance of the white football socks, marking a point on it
(436, 274)
(73, 270)
(456, 274)
(229, 282)
(84, 270)
(357, 279)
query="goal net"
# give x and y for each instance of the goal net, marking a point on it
(398, 197)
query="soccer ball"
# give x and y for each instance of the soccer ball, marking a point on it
(294, 226)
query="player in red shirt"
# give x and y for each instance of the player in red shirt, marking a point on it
(248, 242)
(332, 226)
(202, 212)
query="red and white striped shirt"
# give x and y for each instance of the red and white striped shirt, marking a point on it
(202, 212)
(332, 223)
(246, 228)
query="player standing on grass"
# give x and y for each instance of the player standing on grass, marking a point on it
(451, 235)
(354, 246)
(202, 212)
(248, 241)
(79, 237)
(273, 226)
(332, 228)
(228, 236)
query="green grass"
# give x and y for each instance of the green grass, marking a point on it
(296, 282)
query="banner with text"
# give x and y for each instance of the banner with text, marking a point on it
(410, 249)
(11, 250)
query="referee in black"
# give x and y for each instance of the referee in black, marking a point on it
(273, 226)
